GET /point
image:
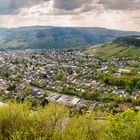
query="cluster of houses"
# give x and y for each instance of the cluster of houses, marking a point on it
(56, 71)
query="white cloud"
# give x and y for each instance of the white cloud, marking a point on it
(84, 13)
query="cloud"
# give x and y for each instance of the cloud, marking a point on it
(75, 6)
(120, 4)
(71, 4)
(119, 14)
(8, 7)
(59, 7)
(64, 7)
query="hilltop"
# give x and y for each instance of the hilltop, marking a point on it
(122, 46)
(47, 37)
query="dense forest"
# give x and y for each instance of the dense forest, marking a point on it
(43, 37)
(128, 40)
(20, 122)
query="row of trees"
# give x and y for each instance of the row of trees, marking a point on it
(131, 83)
(86, 95)
(19, 122)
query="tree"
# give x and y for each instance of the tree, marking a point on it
(11, 87)
(119, 99)
(138, 85)
(128, 89)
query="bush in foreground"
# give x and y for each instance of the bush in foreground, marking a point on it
(19, 122)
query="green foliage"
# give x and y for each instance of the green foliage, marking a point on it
(11, 87)
(124, 126)
(69, 91)
(19, 122)
(56, 37)
(85, 128)
(136, 102)
(138, 85)
(90, 95)
(27, 91)
(123, 82)
(120, 47)
(128, 89)
(119, 99)
(130, 40)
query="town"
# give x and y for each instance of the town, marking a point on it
(70, 78)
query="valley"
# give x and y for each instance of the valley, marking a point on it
(69, 70)
(42, 76)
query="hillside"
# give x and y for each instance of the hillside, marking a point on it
(56, 37)
(122, 46)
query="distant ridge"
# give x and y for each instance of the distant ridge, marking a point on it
(49, 37)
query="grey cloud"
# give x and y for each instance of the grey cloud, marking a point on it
(120, 4)
(75, 7)
(8, 7)
(69, 5)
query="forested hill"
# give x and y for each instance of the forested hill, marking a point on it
(128, 40)
(56, 37)
(122, 46)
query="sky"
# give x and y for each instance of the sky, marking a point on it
(114, 14)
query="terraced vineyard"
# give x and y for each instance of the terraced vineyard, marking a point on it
(125, 46)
